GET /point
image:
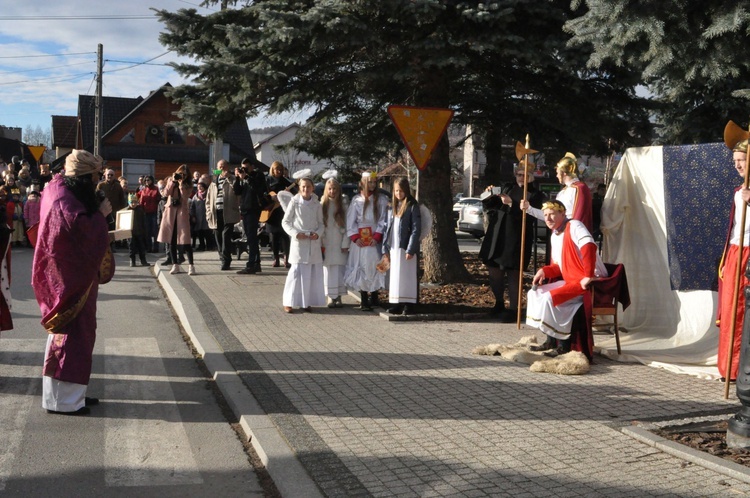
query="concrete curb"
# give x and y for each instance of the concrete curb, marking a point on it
(711, 462)
(290, 477)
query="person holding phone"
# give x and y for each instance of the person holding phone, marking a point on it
(501, 246)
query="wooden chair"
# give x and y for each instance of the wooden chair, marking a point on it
(606, 293)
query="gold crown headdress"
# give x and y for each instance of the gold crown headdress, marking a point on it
(554, 205)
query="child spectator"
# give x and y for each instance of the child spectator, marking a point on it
(401, 243)
(365, 223)
(198, 217)
(303, 221)
(14, 208)
(138, 237)
(335, 241)
(31, 211)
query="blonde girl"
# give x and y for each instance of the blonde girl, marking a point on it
(303, 221)
(335, 242)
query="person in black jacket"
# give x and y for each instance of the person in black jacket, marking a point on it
(279, 238)
(501, 247)
(250, 187)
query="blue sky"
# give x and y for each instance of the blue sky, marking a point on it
(48, 58)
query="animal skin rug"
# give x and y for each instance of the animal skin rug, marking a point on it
(573, 363)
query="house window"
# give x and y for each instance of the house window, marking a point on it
(129, 136)
(175, 136)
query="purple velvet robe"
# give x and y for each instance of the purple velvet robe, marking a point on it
(69, 254)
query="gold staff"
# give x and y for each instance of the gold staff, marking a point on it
(522, 154)
(735, 134)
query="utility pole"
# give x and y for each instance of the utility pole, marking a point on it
(98, 101)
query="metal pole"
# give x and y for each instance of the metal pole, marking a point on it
(98, 101)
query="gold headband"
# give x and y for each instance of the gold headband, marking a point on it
(554, 205)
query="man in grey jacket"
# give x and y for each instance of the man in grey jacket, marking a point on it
(222, 212)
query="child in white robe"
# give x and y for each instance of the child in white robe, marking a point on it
(401, 243)
(365, 225)
(335, 241)
(303, 221)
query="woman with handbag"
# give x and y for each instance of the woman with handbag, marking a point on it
(175, 223)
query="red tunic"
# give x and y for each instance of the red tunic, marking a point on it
(573, 270)
(727, 273)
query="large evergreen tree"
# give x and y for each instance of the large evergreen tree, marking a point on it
(691, 53)
(502, 65)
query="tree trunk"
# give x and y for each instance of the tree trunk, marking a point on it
(442, 259)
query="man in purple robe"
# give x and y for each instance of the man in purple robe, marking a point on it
(71, 259)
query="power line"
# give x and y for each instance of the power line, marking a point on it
(46, 68)
(75, 18)
(138, 63)
(44, 55)
(58, 79)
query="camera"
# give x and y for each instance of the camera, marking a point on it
(177, 176)
(497, 190)
(242, 170)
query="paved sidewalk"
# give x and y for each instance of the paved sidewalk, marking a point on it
(345, 403)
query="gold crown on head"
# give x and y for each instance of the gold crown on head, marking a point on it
(554, 205)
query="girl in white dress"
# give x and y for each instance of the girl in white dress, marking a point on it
(401, 243)
(365, 225)
(303, 221)
(335, 241)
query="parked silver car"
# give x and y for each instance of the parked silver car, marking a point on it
(469, 216)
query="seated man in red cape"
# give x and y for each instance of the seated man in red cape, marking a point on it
(552, 307)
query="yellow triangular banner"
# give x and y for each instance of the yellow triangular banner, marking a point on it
(37, 151)
(420, 129)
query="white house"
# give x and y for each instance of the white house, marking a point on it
(475, 163)
(268, 150)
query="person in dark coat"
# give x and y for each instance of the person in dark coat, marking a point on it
(250, 186)
(279, 238)
(501, 247)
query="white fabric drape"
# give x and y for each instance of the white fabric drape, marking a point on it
(665, 328)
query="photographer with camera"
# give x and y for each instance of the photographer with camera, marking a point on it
(250, 186)
(175, 223)
(501, 246)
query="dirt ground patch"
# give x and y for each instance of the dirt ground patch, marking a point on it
(713, 440)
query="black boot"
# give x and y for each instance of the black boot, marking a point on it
(144, 262)
(364, 304)
(167, 262)
(374, 299)
(396, 309)
(562, 348)
(132, 261)
(498, 308)
(550, 343)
